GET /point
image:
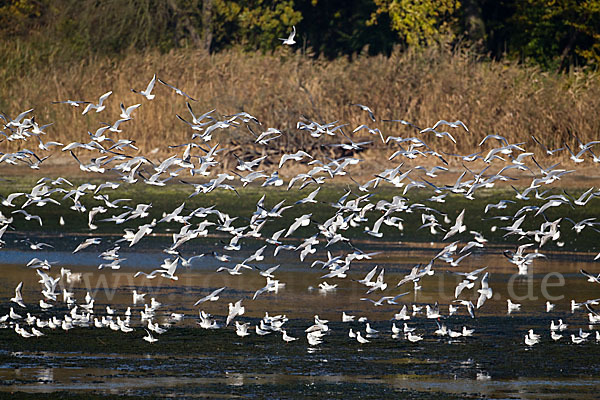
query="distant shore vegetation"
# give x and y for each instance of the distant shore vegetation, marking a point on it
(555, 34)
(514, 68)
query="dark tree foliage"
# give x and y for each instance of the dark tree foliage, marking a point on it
(555, 34)
(339, 27)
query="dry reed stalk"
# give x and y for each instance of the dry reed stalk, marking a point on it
(512, 100)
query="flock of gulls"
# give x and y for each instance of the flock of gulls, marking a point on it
(106, 151)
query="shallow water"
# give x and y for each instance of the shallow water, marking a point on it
(188, 361)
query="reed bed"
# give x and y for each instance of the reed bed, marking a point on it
(280, 89)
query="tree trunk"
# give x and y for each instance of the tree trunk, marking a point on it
(207, 32)
(564, 57)
(474, 24)
(187, 23)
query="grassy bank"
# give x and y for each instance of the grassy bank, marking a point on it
(279, 89)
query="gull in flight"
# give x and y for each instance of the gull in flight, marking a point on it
(378, 284)
(257, 256)
(28, 216)
(168, 269)
(454, 263)
(8, 201)
(402, 315)
(148, 92)
(290, 39)
(469, 305)
(248, 165)
(186, 263)
(375, 131)
(98, 107)
(46, 146)
(178, 91)
(351, 146)
(235, 270)
(126, 112)
(367, 109)
(17, 121)
(304, 220)
(74, 103)
(470, 275)
(458, 226)
(87, 243)
(577, 157)
(269, 272)
(464, 284)
(2, 230)
(235, 310)
(149, 338)
(454, 124)
(325, 287)
(591, 278)
(18, 298)
(263, 138)
(581, 201)
(214, 296)
(438, 134)
(388, 299)
(310, 198)
(375, 231)
(485, 292)
(297, 156)
(272, 285)
(548, 151)
(241, 329)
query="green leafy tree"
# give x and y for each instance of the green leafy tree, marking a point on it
(419, 22)
(256, 24)
(17, 16)
(589, 28)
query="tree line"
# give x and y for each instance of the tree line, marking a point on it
(555, 34)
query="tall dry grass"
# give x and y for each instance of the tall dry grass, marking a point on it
(512, 100)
